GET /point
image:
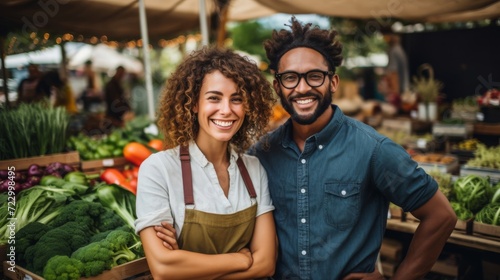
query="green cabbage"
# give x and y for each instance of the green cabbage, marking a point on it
(490, 214)
(473, 191)
(461, 211)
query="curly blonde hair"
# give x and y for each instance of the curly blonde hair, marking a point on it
(175, 114)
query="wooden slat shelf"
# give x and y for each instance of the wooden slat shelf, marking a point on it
(456, 237)
(487, 128)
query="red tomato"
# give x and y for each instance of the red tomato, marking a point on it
(156, 144)
(114, 176)
(136, 152)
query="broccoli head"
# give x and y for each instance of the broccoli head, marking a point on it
(103, 255)
(96, 258)
(61, 241)
(92, 214)
(62, 268)
(28, 236)
(120, 242)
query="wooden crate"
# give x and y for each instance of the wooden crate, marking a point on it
(391, 250)
(445, 267)
(71, 158)
(388, 268)
(465, 226)
(486, 230)
(137, 267)
(97, 166)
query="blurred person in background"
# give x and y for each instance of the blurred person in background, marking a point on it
(91, 95)
(56, 90)
(396, 79)
(118, 109)
(26, 91)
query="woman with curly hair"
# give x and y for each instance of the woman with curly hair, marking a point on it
(213, 197)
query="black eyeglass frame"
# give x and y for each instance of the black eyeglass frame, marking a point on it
(325, 73)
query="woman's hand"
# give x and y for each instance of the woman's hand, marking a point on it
(247, 257)
(166, 232)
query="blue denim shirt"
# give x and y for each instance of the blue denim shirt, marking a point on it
(332, 199)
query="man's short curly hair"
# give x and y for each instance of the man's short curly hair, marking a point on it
(182, 91)
(320, 40)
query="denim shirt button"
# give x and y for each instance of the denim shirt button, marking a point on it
(303, 190)
(304, 252)
(303, 220)
(343, 192)
(320, 147)
(303, 160)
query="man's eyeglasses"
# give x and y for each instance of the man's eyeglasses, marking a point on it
(291, 79)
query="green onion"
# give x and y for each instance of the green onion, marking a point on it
(32, 130)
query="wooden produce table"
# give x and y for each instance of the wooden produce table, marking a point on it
(456, 237)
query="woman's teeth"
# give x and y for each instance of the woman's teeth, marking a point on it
(223, 123)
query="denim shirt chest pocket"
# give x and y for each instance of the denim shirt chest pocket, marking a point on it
(341, 202)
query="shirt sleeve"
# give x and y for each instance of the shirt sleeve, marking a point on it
(398, 176)
(258, 174)
(152, 200)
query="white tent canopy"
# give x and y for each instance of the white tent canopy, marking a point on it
(104, 59)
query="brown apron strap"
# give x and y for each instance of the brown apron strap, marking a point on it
(187, 181)
(246, 178)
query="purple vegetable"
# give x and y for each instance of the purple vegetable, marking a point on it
(4, 174)
(23, 186)
(35, 170)
(19, 177)
(66, 168)
(53, 167)
(4, 186)
(56, 173)
(33, 180)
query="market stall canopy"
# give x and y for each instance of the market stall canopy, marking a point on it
(104, 59)
(119, 19)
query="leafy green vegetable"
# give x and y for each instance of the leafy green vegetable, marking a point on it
(444, 182)
(38, 203)
(496, 194)
(473, 191)
(490, 214)
(34, 129)
(107, 253)
(28, 236)
(118, 199)
(60, 241)
(63, 267)
(461, 211)
(91, 214)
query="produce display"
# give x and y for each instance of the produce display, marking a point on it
(112, 145)
(473, 192)
(466, 145)
(444, 182)
(33, 129)
(488, 157)
(33, 175)
(71, 225)
(434, 158)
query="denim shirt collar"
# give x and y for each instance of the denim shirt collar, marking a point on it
(323, 136)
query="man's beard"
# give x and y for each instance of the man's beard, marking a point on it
(324, 101)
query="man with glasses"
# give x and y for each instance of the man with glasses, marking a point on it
(332, 178)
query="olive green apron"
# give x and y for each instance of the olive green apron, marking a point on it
(210, 233)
